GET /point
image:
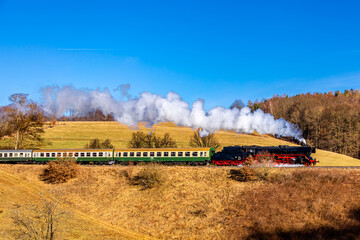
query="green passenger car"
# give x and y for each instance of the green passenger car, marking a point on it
(80, 155)
(193, 156)
(15, 156)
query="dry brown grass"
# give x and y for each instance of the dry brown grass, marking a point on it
(319, 204)
(20, 186)
(205, 203)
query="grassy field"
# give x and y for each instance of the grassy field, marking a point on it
(70, 135)
(77, 134)
(193, 203)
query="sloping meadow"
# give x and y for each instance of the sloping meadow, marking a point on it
(206, 203)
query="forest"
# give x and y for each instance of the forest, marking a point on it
(329, 121)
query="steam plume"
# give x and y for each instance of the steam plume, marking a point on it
(153, 108)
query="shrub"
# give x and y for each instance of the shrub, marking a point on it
(148, 177)
(244, 174)
(60, 171)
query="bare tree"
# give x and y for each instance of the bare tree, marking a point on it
(41, 221)
(209, 140)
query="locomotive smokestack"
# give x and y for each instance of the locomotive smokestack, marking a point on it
(153, 108)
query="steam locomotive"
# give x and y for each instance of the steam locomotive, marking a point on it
(283, 154)
(229, 156)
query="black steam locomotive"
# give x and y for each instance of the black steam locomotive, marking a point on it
(282, 154)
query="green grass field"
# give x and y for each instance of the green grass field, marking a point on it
(70, 135)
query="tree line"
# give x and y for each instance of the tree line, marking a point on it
(329, 121)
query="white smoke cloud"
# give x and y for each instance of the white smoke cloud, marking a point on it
(153, 108)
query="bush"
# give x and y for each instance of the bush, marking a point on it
(244, 174)
(60, 171)
(148, 177)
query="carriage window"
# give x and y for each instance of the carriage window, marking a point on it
(5, 154)
(21, 154)
(15, 154)
(145, 154)
(82, 154)
(180, 154)
(47, 154)
(187, 154)
(138, 154)
(0, 154)
(131, 154)
(152, 154)
(76, 154)
(173, 154)
(70, 154)
(64, 154)
(194, 154)
(201, 154)
(119, 154)
(158, 154)
(41, 154)
(88, 154)
(59, 154)
(125, 154)
(205, 153)
(94, 154)
(100, 154)
(166, 154)
(53, 154)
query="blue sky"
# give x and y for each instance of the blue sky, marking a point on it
(215, 50)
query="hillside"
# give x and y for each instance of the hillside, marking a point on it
(19, 189)
(192, 203)
(77, 134)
